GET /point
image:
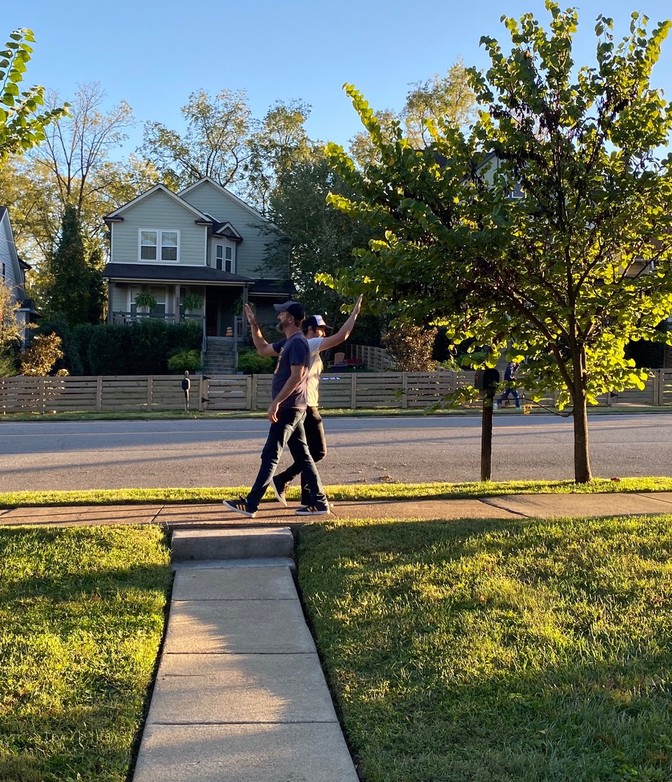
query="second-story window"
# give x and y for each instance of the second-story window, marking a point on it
(159, 245)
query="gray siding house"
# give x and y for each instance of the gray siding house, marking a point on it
(202, 247)
(13, 274)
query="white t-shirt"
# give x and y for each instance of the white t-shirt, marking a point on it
(314, 372)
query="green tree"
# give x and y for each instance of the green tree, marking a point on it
(573, 267)
(71, 283)
(443, 101)
(21, 126)
(279, 143)
(321, 239)
(215, 143)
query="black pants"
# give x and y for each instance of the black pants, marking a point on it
(287, 430)
(317, 445)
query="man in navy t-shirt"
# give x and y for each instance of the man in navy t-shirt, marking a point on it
(286, 413)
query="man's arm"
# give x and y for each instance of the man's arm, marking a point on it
(291, 383)
(263, 347)
(344, 332)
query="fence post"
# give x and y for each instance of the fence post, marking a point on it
(253, 393)
(43, 396)
(248, 391)
(99, 393)
(150, 391)
(353, 391)
(404, 390)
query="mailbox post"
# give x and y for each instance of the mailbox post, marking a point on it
(486, 381)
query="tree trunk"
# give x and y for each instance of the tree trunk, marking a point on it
(486, 436)
(582, 472)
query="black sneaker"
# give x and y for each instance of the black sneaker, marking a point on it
(279, 491)
(240, 507)
(312, 510)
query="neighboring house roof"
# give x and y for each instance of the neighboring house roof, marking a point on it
(131, 272)
(227, 230)
(117, 214)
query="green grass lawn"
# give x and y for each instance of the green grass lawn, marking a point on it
(479, 651)
(363, 492)
(81, 619)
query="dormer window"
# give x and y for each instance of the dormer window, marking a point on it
(225, 256)
(161, 246)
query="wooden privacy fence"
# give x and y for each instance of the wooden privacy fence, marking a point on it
(349, 390)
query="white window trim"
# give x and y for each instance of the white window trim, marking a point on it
(159, 232)
(224, 243)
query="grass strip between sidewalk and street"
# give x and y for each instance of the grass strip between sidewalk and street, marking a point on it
(378, 491)
(81, 620)
(498, 651)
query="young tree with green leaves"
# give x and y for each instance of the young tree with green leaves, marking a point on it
(21, 123)
(547, 231)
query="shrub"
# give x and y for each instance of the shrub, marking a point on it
(41, 357)
(411, 348)
(189, 360)
(251, 363)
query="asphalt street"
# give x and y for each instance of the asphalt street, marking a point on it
(45, 455)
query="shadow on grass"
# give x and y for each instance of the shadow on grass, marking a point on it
(81, 618)
(497, 650)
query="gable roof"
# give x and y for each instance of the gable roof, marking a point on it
(116, 215)
(208, 180)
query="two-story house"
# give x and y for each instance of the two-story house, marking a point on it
(200, 253)
(13, 274)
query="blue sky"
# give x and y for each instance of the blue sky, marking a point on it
(153, 55)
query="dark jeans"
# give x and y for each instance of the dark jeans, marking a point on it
(317, 445)
(287, 430)
(514, 394)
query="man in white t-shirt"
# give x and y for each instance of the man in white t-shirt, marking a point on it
(315, 330)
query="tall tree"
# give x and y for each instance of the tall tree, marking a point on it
(445, 101)
(215, 143)
(277, 144)
(70, 276)
(21, 126)
(578, 263)
(321, 238)
(77, 148)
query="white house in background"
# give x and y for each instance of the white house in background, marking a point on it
(203, 247)
(13, 274)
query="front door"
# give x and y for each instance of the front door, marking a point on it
(219, 308)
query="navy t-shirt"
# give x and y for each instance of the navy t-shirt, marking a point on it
(293, 350)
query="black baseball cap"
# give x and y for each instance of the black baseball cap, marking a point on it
(315, 322)
(293, 307)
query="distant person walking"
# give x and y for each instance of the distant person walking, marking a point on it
(286, 414)
(510, 378)
(315, 330)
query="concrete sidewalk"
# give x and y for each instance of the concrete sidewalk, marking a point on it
(240, 695)
(272, 514)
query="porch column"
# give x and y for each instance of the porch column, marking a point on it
(176, 303)
(111, 286)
